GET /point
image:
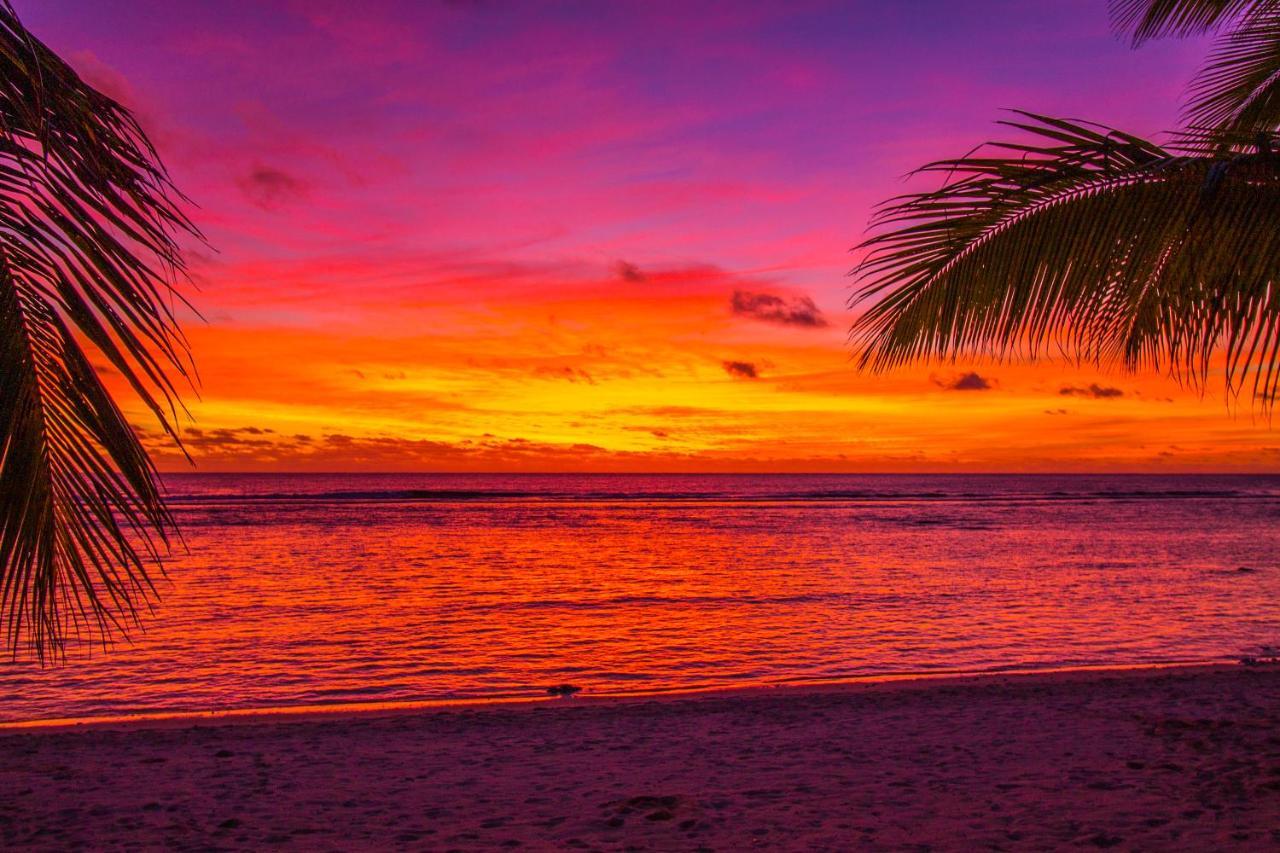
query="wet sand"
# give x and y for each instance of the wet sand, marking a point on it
(1151, 760)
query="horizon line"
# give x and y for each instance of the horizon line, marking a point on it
(1074, 473)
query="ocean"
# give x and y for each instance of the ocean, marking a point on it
(333, 589)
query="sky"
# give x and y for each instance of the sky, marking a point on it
(523, 236)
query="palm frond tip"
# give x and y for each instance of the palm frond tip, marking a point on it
(1141, 20)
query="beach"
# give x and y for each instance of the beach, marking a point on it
(639, 426)
(1176, 758)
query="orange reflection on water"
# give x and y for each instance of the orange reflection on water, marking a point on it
(319, 590)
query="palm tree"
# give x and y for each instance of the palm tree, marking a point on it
(1084, 241)
(88, 264)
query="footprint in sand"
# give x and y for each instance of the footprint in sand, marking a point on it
(654, 808)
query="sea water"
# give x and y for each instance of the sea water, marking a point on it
(302, 589)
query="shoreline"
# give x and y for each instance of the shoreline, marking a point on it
(349, 710)
(1150, 759)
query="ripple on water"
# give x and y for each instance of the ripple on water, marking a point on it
(293, 591)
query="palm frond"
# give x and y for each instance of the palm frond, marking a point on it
(1086, 242)
(1238, 88)
(88, 259)
(1141, 20)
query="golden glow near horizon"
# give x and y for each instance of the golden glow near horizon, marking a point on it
(645, 376)
(447, 238)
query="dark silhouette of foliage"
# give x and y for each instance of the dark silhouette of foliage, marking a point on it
(1081, 240)
(88, 265)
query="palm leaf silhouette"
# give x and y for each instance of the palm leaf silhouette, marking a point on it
(1238, 88)
(88, 260)
(1082, 241)
(1148, 19)
(1088, 242)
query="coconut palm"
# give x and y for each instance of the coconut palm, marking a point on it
(1081, 240)
(88, 261)
(1238, 88)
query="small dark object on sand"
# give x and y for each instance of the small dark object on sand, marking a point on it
(1265, 655)
(565, 690)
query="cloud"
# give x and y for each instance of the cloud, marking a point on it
(569, 374)
(630, 272)
(793, 311)
(115, 85)
(741, 369)
(667, 411)
(653, 431)
(229, 440)
(103, 77)
(1096, 391)
(237, 449)
(334, 451)
(270, 188)
(966, 382)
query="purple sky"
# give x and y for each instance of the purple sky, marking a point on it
(402, 190)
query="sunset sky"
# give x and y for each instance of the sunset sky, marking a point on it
(510, 236)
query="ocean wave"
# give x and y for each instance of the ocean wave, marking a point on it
(641, 600)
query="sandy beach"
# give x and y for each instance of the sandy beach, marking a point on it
(1155, 759)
